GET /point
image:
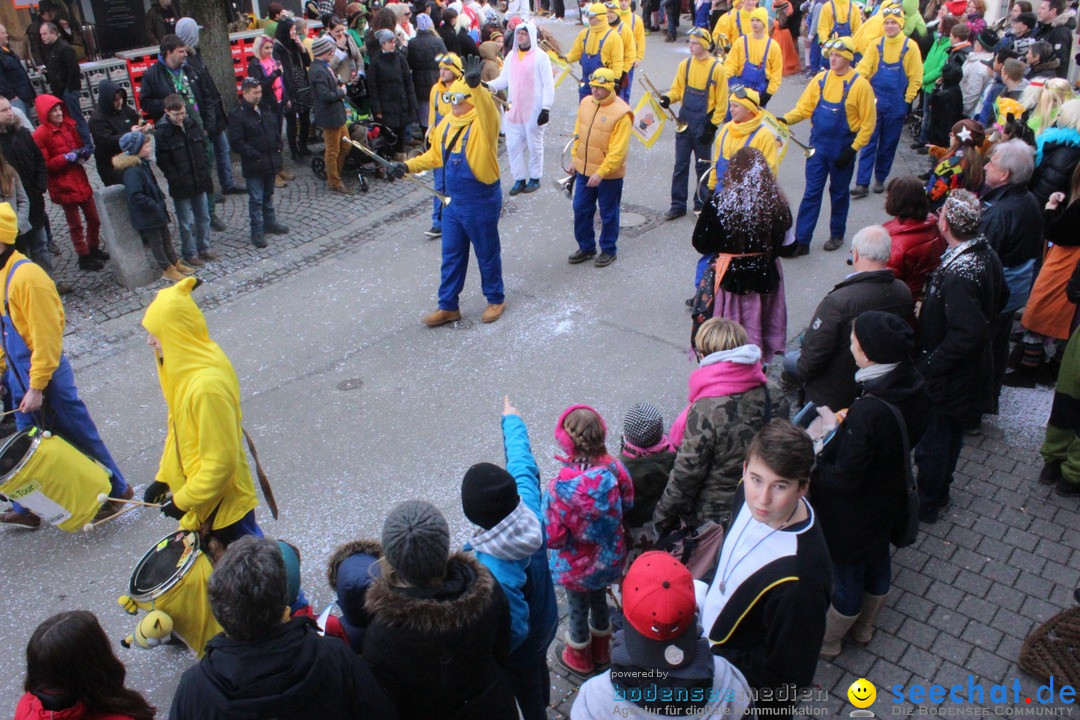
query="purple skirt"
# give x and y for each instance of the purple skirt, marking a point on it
(763, 316)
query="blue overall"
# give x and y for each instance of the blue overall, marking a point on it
(695, 112)
(62, 411)
(753, 75)
(440, 184)
(590, 63)
(701, 15)
(473, 217)
(829, 134)
(890, 85)
(839, 29)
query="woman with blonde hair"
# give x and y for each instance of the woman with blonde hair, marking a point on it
(1046, 102)
(730, 400)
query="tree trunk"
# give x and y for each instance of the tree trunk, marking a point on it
(214, 45)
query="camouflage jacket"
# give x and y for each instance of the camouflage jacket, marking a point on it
(708, 466)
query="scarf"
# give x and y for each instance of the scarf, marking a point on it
(874, 371)
(631, 450)
(728, 372)
(517, 536)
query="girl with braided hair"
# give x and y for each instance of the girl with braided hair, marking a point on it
(583, 512)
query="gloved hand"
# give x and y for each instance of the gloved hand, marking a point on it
(781, 119)
(276, 74)
(471, 73)
(624, 82)
(397, 170)
(765, 98)
(71, 157)
(169, 509)
(846, 157)
(708, 134)
(665, 102)
(542, 118)
(156, 492)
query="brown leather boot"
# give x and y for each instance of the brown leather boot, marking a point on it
(441, 317)
(492, 313)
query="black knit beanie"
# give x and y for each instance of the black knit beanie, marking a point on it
(884, 337)
(488, 494)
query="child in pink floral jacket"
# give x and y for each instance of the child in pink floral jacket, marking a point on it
(583, 510)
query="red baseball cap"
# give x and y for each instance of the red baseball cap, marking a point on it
(661, 611)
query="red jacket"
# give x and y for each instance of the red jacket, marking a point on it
(917, 247)
(29, 708)
(68, 183)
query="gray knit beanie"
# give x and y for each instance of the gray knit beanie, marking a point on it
(416, 542)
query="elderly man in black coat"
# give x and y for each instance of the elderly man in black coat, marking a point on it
(64, 76)
(964, 296)
(255, 136)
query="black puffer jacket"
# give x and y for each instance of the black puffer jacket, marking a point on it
(858, 485)
(14, 82)
(211, 107)
(964, 296)
(62, 67)
(181, 155)
(440, 653)
(1012, 222)
(826, 364)
(425, 70)
(157, 84)
(391, 89)
(145, 201)
(1058, 155)
(18, 146)
(449, 37)
(107, 124)
(256, 138)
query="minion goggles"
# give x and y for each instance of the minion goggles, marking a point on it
(455, 98)
(893, 12)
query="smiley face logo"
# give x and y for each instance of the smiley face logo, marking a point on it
(862, 693)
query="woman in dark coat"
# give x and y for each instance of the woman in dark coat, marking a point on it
(393, 97)
(439, 636)
(294, 60)
(448, 32)
(422, 51)
(107, 124)
(859, 483)
(1058, 152)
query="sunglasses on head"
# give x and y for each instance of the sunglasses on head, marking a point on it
(591, 14)
(455, 98)
(893, 11)
(835, 45)
(741, 93)
(598, 79)
(611, 5)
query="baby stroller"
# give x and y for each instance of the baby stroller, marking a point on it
(364, 130)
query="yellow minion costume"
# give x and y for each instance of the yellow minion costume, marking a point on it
(465, 146)
(437, 110)
(732, 24)
(755, 61)
(597, 46)
(838, 18)
(870, 31)
(603, 138)
(840, 105)
(203, 462)
(749, 133)
(32, 322)
(894, 68)
(701, 86)
(629, 45)
(637, 27)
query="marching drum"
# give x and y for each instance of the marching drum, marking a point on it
(50, 477)
(173, 577)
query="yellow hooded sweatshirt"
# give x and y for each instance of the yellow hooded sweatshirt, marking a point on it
(482, 150)
(611, 56)
(774, 62)
(203, 461)
(913, 65)
(732, 137)
(632, 21)
(727, 25)
(38, 317)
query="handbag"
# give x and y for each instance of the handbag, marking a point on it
(302, 99)
(696, 548)
(905, 532)
(701, 308)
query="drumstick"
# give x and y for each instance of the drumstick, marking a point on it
(105, 498)
(90, 526)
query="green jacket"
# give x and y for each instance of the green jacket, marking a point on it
(935, 61)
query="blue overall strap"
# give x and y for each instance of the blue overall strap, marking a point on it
(738, 21)
(708, 86)
(686, 75)
(850, 9)
(7, 283)
(750, 139)
(7, 314)
(881, 51)
(821, 85)
(600, 47)
(835, 19)
(746, 49)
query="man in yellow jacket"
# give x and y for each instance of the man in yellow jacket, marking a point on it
(837, 18)
(597, 46)
(756, 62)
(637, 27)
(743, 130)
(39, 377)
(734, 23)
(203, 464)
(840, 105)
(465, 146)
(629, 45)
(894, 68)
(450, 69)
(871, 30)
(603, 137)
(701, 86)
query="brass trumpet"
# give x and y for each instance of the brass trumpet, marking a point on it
(566, 184)
(546, 47)
(723, 43)
(415, 179)
(680, 126)
(784, 130)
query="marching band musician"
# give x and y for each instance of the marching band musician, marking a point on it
(837, 18)
(637, 26)
(39, 377)
(894, 67)
(629, 44)
(735, 22)
(449, 71)
(755, 61)
(840, 105)
(526, 76)
(465, 145)
(203, 463)
(597, 46)
(603, 138)
(743, 130)
(701, 86)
